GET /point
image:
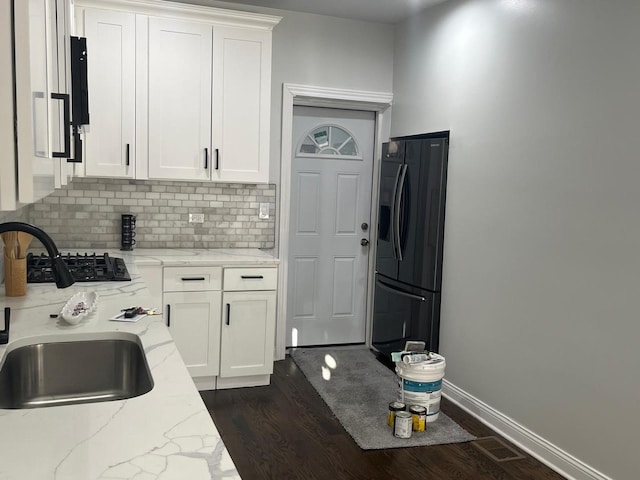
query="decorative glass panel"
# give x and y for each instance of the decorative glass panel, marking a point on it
(328, 140)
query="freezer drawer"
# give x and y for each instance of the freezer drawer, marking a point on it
(402, 314)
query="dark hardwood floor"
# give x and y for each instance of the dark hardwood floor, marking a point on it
(286, 431)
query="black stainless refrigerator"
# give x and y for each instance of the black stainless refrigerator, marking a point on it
(410, 235)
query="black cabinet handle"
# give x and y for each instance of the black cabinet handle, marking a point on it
(248, 277)
(217, 158)
(192, 279)
(168, 315)
(206, 158)
(127, 163)
(228, 314)
(66, 153)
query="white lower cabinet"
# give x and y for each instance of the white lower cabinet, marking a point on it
(191, 300)
(223, 322)
(248, 333)
(193, 319)
(248, 327)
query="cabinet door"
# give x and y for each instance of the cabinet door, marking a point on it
(179, 100)
(110, 140)
(241, 104)
(193, 319)
(36, 166)
(8, 172)
(248, 333)
(60, 81)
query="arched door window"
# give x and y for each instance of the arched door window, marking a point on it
(329, 141)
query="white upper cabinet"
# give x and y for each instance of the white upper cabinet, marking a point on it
(202, 83)
(37, 69)
(110, 140)
(241, 104)
(179, 100)
(36, 165)
(8, 192)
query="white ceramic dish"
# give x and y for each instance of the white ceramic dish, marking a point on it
(79, 306)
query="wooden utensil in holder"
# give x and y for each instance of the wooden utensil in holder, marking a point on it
(15, 263)
(15, 277)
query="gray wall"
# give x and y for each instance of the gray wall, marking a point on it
(542, 239)
(321, 51)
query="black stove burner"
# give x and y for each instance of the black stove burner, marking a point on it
(83, 268)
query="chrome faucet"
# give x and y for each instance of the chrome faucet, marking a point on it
(60, 271)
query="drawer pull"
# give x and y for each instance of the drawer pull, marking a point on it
(192, 279)
(228, 314)
(251, 277)
(168, 315)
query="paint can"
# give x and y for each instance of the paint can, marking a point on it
(394, 407)
(403, 425)
(419, 417)
(421, 384)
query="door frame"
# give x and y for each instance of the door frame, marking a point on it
(313, 96)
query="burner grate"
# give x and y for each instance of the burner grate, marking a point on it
(83, 268)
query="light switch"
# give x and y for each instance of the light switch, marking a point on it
(264, 211)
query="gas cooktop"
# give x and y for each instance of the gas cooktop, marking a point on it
(83, 268)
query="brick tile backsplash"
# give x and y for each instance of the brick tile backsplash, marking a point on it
(21, 215)
(86, 214)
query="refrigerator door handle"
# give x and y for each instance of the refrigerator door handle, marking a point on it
(396, 216)
(393, 212)
(400, 292)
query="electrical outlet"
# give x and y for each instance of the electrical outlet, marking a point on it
(264, 211)
(196, 218)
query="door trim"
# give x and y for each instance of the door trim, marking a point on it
(313, 96)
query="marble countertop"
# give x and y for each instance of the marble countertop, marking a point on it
(164, 434)
(205, 258)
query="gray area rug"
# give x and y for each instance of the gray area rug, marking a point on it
(358, 392)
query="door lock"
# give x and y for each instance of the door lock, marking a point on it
(364, 242)
(364, 226)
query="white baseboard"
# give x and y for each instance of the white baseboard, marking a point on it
(549, 454)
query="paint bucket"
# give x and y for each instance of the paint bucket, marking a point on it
(421, 384)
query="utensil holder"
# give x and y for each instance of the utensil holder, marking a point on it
(15, 276)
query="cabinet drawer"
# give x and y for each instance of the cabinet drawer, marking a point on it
(238, 279)
(192, 279)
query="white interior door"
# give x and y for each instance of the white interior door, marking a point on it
(330, 219)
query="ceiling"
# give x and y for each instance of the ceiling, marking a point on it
(382, 11)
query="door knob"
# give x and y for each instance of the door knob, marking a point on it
(364, 242)
(364, 226)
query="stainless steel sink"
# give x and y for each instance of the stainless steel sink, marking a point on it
(74, 371)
